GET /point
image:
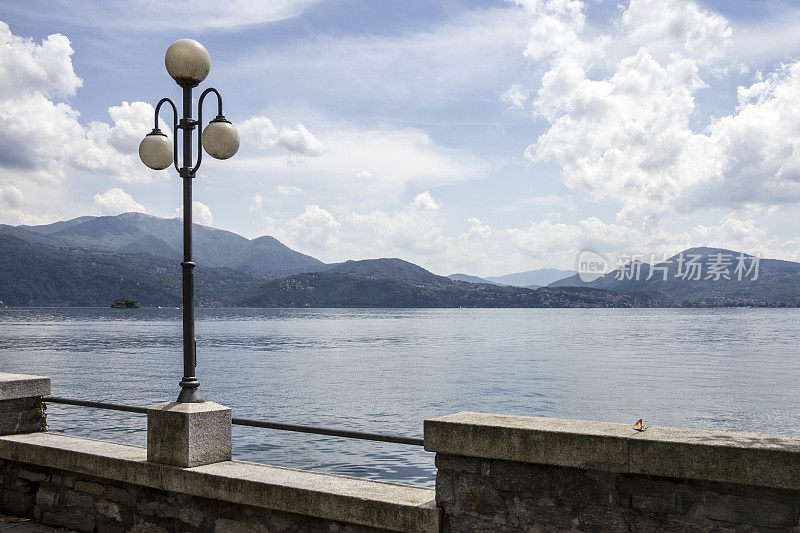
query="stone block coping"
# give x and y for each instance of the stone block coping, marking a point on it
(370, 503)
(14, 386)
(720, 456)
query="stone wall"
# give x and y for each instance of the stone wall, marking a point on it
(515, 474)
(86, 503)
(496, 473)
(504, 496)
(21, 406)
(89, 485)
(22, 415)
(185, 481)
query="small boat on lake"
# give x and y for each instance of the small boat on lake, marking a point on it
(125, 303)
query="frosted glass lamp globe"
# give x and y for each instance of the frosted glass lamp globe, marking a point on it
(187, 61)
(220, 138)
(155, 150)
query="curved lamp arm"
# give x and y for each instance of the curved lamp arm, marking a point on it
(174, 128)
(200, 123)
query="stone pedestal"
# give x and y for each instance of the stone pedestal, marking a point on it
(21, 406)
(188, 434)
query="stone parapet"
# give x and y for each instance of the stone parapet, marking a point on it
(83, 484)
(724, 456)
(513, 473)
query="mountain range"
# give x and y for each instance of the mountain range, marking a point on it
(137, 233)
(34, 274)
(531, 279)
(470, 279)
(92, 260)
(537, 278)
(398, 283)
(704, 276)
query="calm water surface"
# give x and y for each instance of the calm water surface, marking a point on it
(388, 370)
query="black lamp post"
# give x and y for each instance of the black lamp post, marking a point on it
(188, 62)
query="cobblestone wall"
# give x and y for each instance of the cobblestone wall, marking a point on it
(84, 503)
(505, 496)
(22, 415)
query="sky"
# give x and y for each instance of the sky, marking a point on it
(483, 137)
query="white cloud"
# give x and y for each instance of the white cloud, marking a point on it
(470, 52)
(400, 234)
(201, 213)
(36, 133)
(516, 96)
(419, 236)
(477, 230)
(43, 140)
(546, 243)
(261, 132)
(314, 228)
(139, 15)
(258, 131)
(627, 134)
(667, 27)
(115, 201)
(371, 162)
(113, 149)
(10, 197)
(27, 67)
(424, 200)
(392, 157)
(757, 147)
(44, 136)
(300, 141)
(288, 190)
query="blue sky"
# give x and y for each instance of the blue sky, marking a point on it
(481, 137)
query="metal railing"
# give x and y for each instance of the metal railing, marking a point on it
(281, 426)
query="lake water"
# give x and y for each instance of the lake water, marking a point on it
(388, 370)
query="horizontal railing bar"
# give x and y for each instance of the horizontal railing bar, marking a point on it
(97, 405)
(346, 433)
(331, 432)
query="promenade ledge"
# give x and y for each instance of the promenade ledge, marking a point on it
(84, 483)
(494, 473)
(511, 473)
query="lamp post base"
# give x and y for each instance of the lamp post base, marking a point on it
(190, 392)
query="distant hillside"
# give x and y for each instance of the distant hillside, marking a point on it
(48, 229)
(540, 277)
(150, 244)
(267, 257)
(469, 279)
(139, 233)
(28, 235)
(42, 275)
(92, 260)
(335, 289)
(777, 282)
(389, 268)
